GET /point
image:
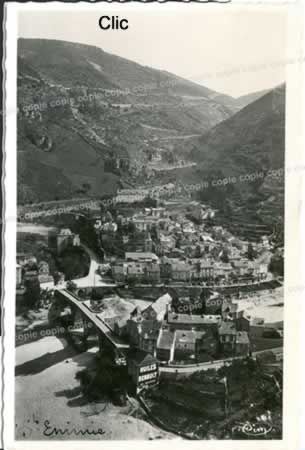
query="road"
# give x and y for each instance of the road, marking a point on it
(195, 368)
(278, 351)
(92, 279)
(24, 227)
(187, 136)
(164, 168)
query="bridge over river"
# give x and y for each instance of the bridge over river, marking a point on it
(92, 323)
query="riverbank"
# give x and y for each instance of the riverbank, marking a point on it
(46, 389)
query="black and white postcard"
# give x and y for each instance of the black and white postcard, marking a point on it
(152, 265)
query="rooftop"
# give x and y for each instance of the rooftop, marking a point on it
(192, 319)
(142, 218)
(181, 266)
(257, 321)
(241, 263)
(65, 232)
(138, 310)
(227, 328)
(188, 336)
(133, 191)
(160, 304)
(121, 322)
(166, 339)
(135, 256)
(229, 306)
(242, 337)
(205, 264)
(141, 357)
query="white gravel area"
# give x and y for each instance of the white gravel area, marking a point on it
(46, 390)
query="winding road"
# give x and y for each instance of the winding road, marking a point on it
(91, 279)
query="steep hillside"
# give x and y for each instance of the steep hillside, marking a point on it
(90, 121)
(72, 64)
(244, 100)
(248, 150)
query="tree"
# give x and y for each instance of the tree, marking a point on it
(251, 254)
(198, 252)
(113, 245)
(276, 265)
(149, 202)
(46, 297)
(86, 186)
(168, 157)
(56, 277)
(225, 256)
(71, 286)
(131, 228)
(204, 295)
(109, 217)
(119, 221)
(32, 291)
(154, 233)
(74, 262)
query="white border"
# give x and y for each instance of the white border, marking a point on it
(10, 182)
(294, 140)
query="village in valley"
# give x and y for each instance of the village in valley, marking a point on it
(150, 227)
(180, 316)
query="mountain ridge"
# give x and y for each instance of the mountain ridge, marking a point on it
(121, 123)
(249, 146)
(98, 52)
(110, 138)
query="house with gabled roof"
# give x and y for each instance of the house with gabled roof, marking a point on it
(157, 309)
(227, 337)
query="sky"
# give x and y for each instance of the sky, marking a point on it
(236, 52)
